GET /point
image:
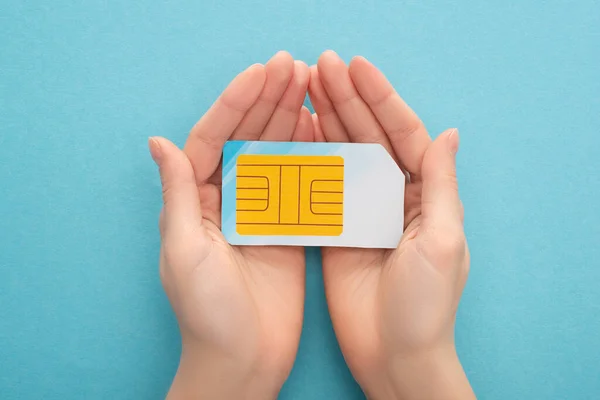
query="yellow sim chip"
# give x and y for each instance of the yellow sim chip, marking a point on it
(290, 195)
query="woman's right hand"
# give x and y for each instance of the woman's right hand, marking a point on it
(393, 311)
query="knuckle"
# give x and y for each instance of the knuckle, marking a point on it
(161, 221)
(167, 191)
(449, 177)
(173, 251)
(467, 258)
(162, 273)
(449, 244)
(405, 131)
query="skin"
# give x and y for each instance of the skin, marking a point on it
(240, 308)
(393, 311)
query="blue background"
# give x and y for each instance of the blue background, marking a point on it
(83, 85)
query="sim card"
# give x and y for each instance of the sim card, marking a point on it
(311, 194)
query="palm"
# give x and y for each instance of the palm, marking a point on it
(359, 284)
(263, 284)
(259, 302)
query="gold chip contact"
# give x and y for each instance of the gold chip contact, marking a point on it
(289, 195)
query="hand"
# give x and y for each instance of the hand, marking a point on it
(394, 310)
(239, 308)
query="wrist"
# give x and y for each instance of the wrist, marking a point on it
(435, 375)
(208, 375)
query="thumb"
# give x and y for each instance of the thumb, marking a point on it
(440, 203)
(181, 210)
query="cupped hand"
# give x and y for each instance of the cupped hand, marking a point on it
(393, 311)
(239, 308)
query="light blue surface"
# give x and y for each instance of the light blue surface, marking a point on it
(83, 84)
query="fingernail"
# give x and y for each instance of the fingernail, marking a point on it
(453, 141)
(155, 150)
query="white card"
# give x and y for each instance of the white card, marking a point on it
(311, 194)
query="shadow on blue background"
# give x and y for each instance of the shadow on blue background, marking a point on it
(83, 84)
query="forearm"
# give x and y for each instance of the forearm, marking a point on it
(216, 377)
(435, 376)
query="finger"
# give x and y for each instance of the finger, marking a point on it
(360, 123)
(319, 136)
(181, 206)
(404, 129)
(210, 200)
(304, 131)
(441, 206)
(332, 128)
(161, 222)
(206, 140)
(279, 71)
(283, 121)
